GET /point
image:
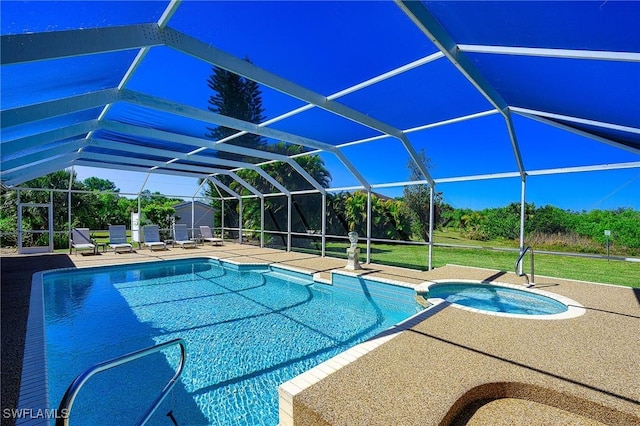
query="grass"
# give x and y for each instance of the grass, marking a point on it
(577, 268)
(416, 257)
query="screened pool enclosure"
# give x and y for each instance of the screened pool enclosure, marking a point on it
(513, 91)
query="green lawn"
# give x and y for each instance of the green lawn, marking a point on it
(598, 270)
(416, 257)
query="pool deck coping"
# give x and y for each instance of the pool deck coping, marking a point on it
(295, 394)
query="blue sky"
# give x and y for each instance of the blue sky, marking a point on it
(328, 49)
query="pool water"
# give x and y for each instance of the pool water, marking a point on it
(495, 298)
(247, 331)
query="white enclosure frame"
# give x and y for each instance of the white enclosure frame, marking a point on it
(28, 157)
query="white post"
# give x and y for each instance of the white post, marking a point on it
(240, 222)
(262, 222)
(51, 227)
(522, 211)
(431, 219)
(193, 217)
(324, 224)
(20, 224)
(222, 218)
(69, 209)
(368, 226)
(289, 203)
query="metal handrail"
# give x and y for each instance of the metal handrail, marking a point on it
(518, 273)
(74, 388)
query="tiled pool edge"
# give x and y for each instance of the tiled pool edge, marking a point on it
(33, 398)
(289, 389)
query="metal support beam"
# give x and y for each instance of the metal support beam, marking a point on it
(162, 22)
(156, 165)
(193, 217)
(382, 77)
(354, 171)
(168, 153)
(289, 205)
(219, 58)
(160, 104)
(271, 180)
(14, 146)
(44, 167)
(240, 219)
(134, 168)
(522, 217)
(230, 191)
(246, 184)
(261, 222)
(31, 47)
(55, 108)
(222, 219)
(233, 123)
(552, 53)
(429, 25)
(324, 224)
(431, 220)
(69, 228)
(146, 179)
(368, 225)
(414, 156)
(549, 118)
(28, 160)
(201, 142)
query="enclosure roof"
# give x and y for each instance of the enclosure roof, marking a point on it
(122, 85)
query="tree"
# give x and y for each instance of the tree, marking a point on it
(161, 214)
(240, 98)
(237, 97)
(417, 197)
(97, 184)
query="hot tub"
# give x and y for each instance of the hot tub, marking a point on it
(501, 299)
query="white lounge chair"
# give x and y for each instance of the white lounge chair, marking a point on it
(152, 237)
(206, 235)
(181, 237)
(118, 239)
(80, 240)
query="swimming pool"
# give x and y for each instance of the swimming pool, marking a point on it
(247, 328)
(503, 299)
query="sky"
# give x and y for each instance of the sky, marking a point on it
(328, 49)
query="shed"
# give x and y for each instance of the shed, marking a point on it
(194, 214)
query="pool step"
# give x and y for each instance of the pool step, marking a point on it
(290, 277)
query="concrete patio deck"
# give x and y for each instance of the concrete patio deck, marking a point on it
(451, 366)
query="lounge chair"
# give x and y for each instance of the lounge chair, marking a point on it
(206, 235)
(80, 240)
(181, 237)
(118, 239)
(152, 237)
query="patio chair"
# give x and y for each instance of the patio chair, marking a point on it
(206, 235)
(151, 235)
(118, 239)
(181, 237)
(80, 240)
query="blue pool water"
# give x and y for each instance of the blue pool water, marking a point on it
(247, 331)
(494, 298)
